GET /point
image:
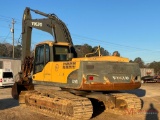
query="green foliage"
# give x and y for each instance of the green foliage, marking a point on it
(140, 62)
(82, 50)
(156, 66)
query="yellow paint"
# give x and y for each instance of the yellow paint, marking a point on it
(102, 58)
(54, 72)
(59, 71)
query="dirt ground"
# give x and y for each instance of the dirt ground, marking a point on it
(149, 94)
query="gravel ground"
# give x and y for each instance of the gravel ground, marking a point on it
(149, 94)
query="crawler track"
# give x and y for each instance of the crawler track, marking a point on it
(127, 101)
(62, 104)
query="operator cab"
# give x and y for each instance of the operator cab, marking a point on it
(50, 51)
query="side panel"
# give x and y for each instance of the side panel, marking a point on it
(58, 74)
(93, 75)
(106, 76)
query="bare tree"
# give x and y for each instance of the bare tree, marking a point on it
(3, 50)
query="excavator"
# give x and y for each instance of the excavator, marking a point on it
(55, 63)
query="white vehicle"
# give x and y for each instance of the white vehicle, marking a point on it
(6, 77)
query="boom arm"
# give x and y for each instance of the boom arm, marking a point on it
(52, 24)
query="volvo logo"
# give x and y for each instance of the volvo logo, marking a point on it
(120, 77)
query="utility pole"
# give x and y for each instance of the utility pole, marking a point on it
(12, 31)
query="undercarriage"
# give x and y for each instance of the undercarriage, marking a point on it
(66, 105)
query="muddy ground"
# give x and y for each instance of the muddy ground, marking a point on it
(149, 94)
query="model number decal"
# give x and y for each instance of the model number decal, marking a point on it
(75, 81)
(38, 24)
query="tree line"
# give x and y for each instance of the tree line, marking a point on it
(6, 50)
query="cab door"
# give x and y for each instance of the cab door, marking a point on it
(41, 68)
(47, 63)
(39, 59)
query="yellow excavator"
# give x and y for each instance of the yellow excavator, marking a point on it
(81, 80)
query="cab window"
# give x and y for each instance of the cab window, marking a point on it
(47, 54)
(60, 53)
(42, 57)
